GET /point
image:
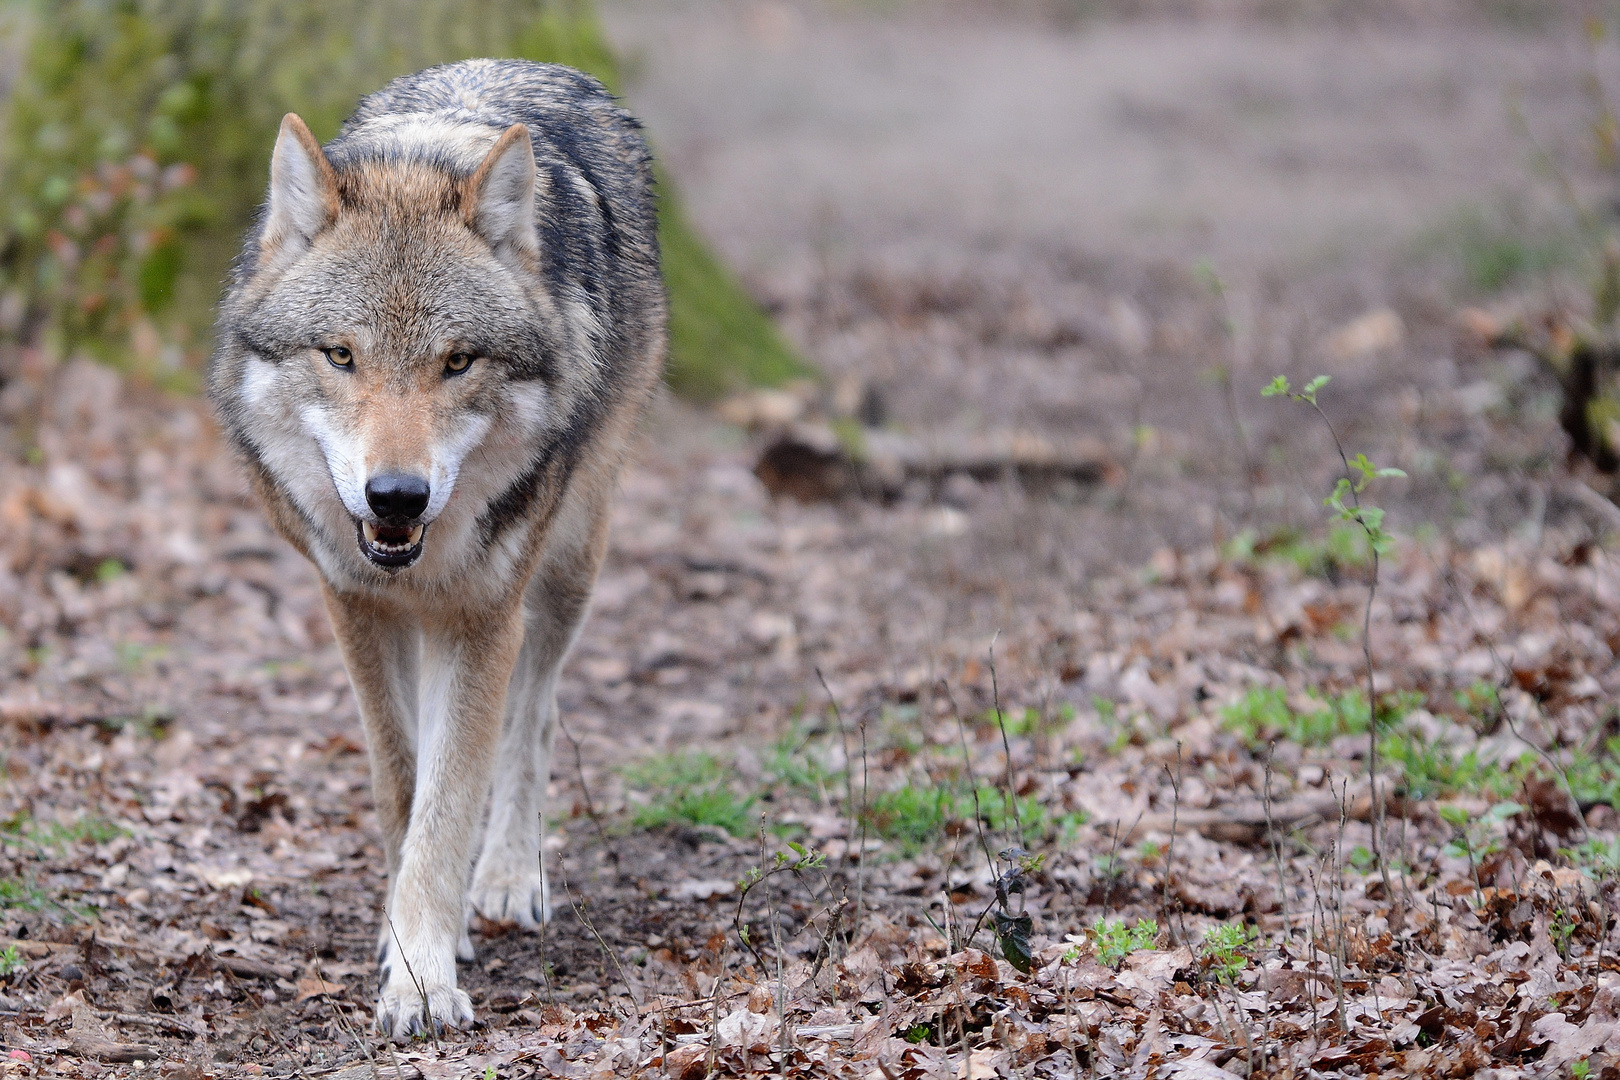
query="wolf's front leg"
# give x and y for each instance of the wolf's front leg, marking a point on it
(509, 884)
(466, 664)
(381, 648)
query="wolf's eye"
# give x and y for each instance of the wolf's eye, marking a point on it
(339, 356)
(458, 363)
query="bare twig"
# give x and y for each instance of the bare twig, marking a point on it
(590, 804)
(343, 1022)
(855, 825)
(1006, 747)
(579, 913)
(973, 784)
(427, 1006)
(860, 858)
(1170, 848)
(1276, 846)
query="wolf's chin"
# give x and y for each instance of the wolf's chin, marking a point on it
(392, 547)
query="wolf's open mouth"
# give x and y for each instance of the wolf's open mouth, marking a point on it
(392, 546)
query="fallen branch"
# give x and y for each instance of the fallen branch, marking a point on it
(237, 965)
(1246, 823)
(47, 714)
(90, 1046)
(811, 462)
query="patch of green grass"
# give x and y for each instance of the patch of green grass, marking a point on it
(1595, 777)
(915, 817)
(1030, 722)
(1497, 247)
(1226, 950)
(25, 895)
(912, 817)
(1341, 548)
(56, 835)
(1115, 941)
(1480, 700)
(1264, 714)
(795, 763)
(1432, 769)
(689, 788)
(1598, 856)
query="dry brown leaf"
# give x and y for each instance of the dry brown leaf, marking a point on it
(312, 986)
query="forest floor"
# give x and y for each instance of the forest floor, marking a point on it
(1078, 770)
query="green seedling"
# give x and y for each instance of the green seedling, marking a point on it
(1598, 857)
(1474, 839)
(1226, 950)
(1115, 941)
(1434, 769)
(1561, 928)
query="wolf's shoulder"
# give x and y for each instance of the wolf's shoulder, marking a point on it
(498, 93)
(447, 113)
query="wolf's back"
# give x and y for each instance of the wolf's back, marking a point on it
(570, 115)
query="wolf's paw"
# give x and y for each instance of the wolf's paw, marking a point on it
(402, 1014)
(511, 897)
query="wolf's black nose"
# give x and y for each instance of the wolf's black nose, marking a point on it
(396, 497)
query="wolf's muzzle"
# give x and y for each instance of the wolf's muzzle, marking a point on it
(398, 500)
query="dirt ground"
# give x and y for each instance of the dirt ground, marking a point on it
(991, 224)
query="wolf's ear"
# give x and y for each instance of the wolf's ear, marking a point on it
(303, 189)
(499, 199)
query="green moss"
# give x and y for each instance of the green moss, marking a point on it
(137, 137)
(719, 339)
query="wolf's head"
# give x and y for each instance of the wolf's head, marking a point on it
(389, 326)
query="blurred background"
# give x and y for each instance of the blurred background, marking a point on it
(1088, 230)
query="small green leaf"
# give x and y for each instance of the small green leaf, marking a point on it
(1278, 387)
(1501, 812)
(1013, 933)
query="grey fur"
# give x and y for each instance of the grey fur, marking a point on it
(391, 258)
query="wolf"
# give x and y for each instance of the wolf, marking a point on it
(432, 356)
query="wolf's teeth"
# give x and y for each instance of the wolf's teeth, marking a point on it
(370, 531)
(416, 534)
